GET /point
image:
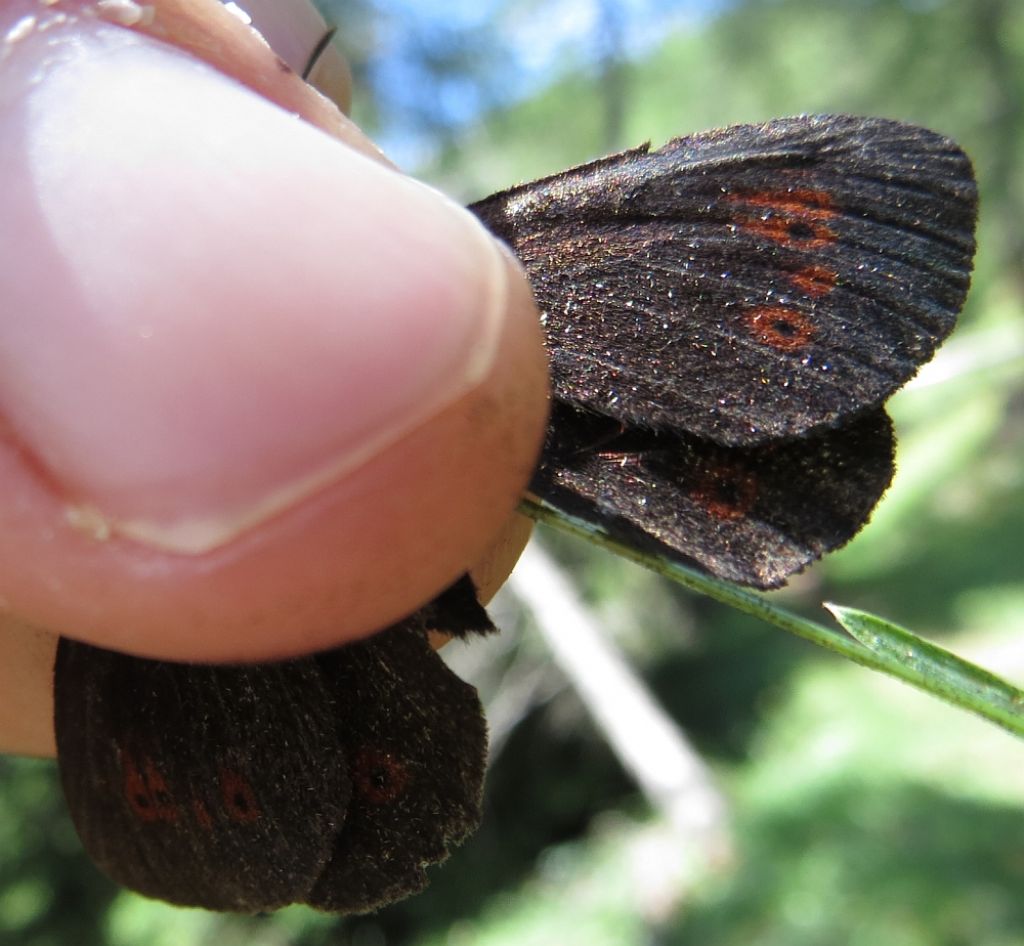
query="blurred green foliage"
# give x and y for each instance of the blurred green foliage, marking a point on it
(864, 812)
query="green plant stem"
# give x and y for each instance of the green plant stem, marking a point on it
(877, 643)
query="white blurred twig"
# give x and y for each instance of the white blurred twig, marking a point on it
(652, 748)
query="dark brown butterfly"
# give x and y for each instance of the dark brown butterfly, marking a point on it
(726, 317)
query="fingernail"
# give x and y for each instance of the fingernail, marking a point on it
(300, 35)
(212, 310)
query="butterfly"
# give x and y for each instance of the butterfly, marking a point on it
(726, 317)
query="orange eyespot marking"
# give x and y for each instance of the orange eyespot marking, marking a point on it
(814, 281)
(726, 492)
(239, 799)
(788, 217)
(145, 789)
(790, 232)
(780, 327)
(378, 776)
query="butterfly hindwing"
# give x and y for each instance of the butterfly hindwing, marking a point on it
(218, 787)
(416, 741)
(753, 515)
(751, 283)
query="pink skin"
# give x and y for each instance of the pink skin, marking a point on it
(259, 393)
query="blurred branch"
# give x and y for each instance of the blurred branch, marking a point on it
(650, 746)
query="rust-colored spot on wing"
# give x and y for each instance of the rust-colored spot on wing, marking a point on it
(796, 217)
(799, 233)
(378, 776)
(239, 798)
(146, 791)
(806, 202)
(814, 281)
(725, 491)
(780, 327)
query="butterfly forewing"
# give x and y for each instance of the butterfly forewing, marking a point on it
(747, 284)
(220, 787)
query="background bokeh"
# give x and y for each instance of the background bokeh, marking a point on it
(859, 811)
